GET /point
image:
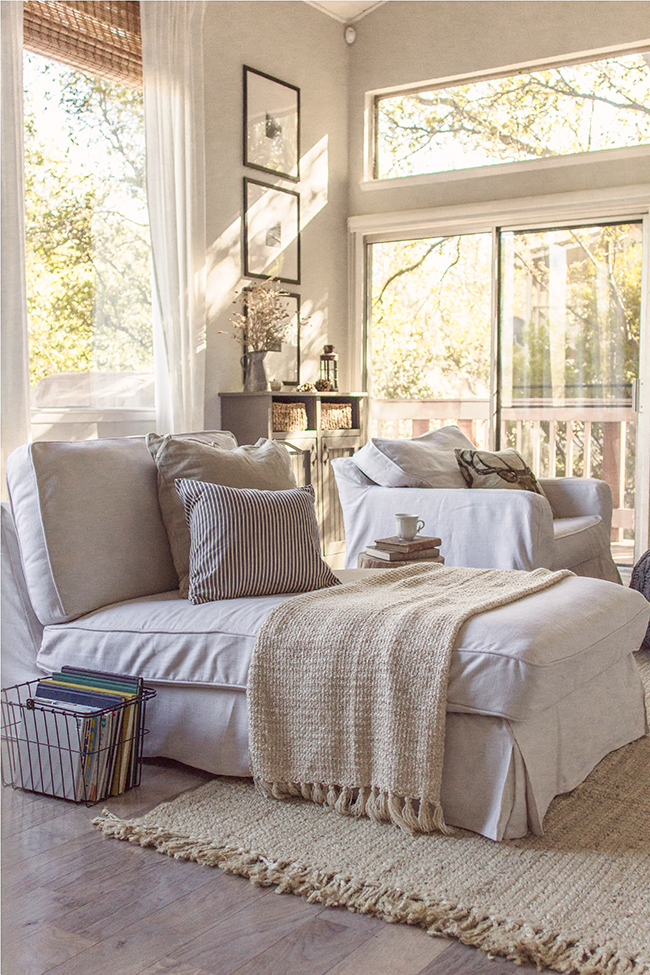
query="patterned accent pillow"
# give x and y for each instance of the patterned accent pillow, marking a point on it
(247, 542)
(498, 469)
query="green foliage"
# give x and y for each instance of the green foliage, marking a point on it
(59, 268)
(595, 331)
(576, 108)
(112, 116)
(431, 318)
(88, 252)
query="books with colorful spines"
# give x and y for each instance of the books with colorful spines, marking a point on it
(424, 553)
(396, 544)
(102, 751)
(101, 734)
(111, 747)
(116, 760)
(135, 685)
(99, 731)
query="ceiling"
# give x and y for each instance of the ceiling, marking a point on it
(345, 11)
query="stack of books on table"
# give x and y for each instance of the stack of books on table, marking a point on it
(80, 735)
(394, 551)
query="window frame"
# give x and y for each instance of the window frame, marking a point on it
(370, 180)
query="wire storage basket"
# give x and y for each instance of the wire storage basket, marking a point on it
(79, 753)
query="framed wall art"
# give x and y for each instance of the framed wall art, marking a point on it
(283, 362)
(271, 232)
(271, 125)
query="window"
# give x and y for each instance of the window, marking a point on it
(88, 253)
(557, 111)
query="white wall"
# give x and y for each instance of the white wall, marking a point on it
(302, 46)
(402, 43)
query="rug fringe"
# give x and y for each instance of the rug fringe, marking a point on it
(514, 940)
(375, 803)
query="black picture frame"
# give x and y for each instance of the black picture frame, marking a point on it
(283, 363)
(271, 124)
(271, 232)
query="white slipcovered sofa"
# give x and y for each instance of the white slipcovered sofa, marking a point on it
(566, 527)
(88, 580)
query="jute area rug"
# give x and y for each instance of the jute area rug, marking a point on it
(575, 900)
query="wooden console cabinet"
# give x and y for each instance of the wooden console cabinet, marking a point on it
(250, 416)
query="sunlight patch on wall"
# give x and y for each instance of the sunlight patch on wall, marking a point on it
(313, 186)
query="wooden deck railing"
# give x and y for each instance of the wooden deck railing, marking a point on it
(571, 440)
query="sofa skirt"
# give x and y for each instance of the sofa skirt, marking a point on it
(499, 775)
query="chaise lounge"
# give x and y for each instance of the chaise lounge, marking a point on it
(88, 580)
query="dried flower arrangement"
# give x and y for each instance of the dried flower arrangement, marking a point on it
(264, 318)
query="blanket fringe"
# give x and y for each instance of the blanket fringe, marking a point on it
(375, 803)
(515, 940)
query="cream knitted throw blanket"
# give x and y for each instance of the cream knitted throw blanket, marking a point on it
(347, 688)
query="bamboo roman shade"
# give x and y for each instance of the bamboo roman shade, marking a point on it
(101, 37)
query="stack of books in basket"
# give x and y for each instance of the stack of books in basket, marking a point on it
(388, 553)
(78, 735)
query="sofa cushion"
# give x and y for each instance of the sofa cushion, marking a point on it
(246, 542)
(514, 661)
(265, 465)
(88, 525)
(497, 469)
(426, 462)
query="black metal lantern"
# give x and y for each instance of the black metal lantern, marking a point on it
(329, 367)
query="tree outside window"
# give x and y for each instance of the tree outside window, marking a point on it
(88, 251)
(602, 104)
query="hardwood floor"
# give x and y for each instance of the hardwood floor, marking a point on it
(75, 903)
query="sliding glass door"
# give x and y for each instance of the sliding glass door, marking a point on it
(537, 349)
(569, 330)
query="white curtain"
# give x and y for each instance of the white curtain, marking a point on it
(172, 57)
(13, 302)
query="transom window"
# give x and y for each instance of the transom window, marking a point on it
(532, 115)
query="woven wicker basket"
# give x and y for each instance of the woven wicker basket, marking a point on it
(336, 416)
(289, 417)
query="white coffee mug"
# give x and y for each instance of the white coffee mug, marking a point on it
(408, 526)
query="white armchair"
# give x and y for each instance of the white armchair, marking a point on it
(501, 529)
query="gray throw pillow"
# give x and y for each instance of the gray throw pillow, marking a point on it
(265, 465)
(252, 543)
(497, 469)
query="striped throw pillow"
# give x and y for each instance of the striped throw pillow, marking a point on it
(246, 542)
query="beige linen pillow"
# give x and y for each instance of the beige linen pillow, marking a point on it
(265, 465)
(497, 469)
